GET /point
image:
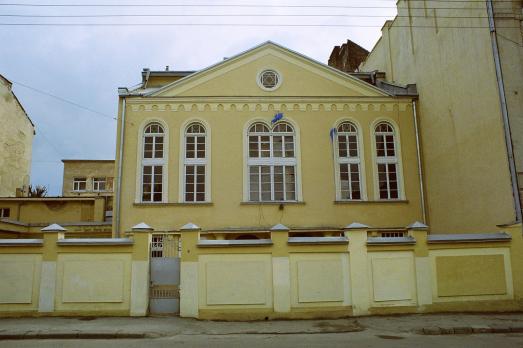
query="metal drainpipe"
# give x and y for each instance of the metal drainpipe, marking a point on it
(420, 171)
(504, 110)
(119, 178)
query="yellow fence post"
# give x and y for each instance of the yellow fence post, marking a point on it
(418, 231)
(358, 263)
(281, 278)
(189, 305)
(46, 298)
(516, 256)
(139, 303)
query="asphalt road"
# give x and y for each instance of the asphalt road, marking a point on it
(367, 338)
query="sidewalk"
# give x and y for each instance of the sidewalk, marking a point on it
(151, 327)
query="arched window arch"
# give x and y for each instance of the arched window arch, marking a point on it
(153, 163)
(271, 162)
(348, 162)
(387, 161)
(195, 163)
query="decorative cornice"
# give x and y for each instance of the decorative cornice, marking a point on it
(158, 106)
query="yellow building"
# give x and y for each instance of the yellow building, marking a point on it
(22, 217)
(268, 136)
(16, 137)
(469, 97)
(89, 178)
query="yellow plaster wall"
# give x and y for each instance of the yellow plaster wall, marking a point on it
(392, 278)
(317, 172)
(88, 282)
(467, 177)
(319, 279)
(16, 134)
(20, 282)
(471, 274)
(54, 210)
(228, 281)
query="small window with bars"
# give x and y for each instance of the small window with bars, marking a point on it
(5, 213)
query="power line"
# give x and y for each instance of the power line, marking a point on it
(508, 39)
(236, 25)
(101, 114)
(232, 15)
(244, 6)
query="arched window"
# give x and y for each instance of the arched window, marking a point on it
(271, 162)
(386, 161)
(153, 162)
(195, 163)
(348, 162)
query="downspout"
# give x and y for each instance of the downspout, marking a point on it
(504, 110)
(119, 174)
(420, 170)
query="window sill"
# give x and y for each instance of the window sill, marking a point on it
(273, 203)
(163, 204)
(397, 201)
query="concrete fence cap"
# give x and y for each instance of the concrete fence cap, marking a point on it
(190, 226)
(53, 228)
(279, 227)
(142, 226)
(356, 226)
(416, 225)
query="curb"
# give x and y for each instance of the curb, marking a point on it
(467, 330)
(32, 335)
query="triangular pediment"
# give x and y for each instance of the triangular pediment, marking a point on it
(238, 76)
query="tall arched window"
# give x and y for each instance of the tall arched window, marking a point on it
(153, 162)
(386, 161)
(271, 162)
(348, 162)
(195, 163)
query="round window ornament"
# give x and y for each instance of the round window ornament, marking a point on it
(269, 80)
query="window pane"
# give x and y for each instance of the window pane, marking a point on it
(265, 146)
(277, 146)
(289, 146)
(253, 146)
(342, 146)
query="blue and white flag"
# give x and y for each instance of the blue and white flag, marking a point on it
(333, 133)
(277, 117)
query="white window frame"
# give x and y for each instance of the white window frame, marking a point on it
(272, 161)
(359, 160)
(96, 181)
(194, 161)
(141, 161)
(76, 183)
(259, 83)
(397, 160)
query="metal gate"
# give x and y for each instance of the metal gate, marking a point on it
(164, 294)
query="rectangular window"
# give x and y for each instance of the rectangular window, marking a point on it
(195, 183)
(350, 181)
(4, 213)
(272, 183)
(79, 184)
(152, 183)
(388, 180)
(99, 184)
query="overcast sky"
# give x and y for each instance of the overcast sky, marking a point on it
(85, 65)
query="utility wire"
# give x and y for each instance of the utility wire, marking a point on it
(236, 25)
(508, 39)
(232, 15)
(98, 113)
(238, 6)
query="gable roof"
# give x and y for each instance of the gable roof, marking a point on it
(267, 44)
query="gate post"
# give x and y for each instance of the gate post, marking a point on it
(358, 264)
(423, 270)
(141, 234)
(189, 305)
(281, 279)
(46, 298)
